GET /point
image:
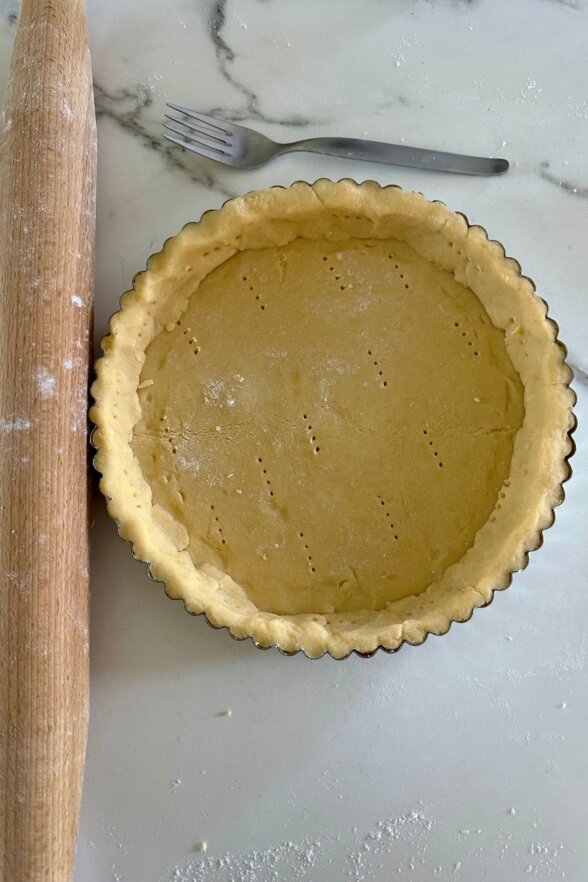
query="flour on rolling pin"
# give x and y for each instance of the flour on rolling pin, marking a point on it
(47, 211)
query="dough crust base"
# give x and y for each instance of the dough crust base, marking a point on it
(332, 417)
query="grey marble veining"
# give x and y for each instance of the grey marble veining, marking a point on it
(225, 56)
(126, 108)
(571, 187)
(9, 11)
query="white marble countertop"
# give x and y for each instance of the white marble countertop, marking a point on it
(462, 759)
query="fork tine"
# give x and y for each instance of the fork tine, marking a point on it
(215, 121)
(201, 129)
(195, 148)
(199, 138)
(211, 131)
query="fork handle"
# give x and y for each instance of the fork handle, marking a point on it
(400, 154)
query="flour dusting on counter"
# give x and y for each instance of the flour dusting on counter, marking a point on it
(361, 855)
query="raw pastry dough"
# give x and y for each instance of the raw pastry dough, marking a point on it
(332, 417)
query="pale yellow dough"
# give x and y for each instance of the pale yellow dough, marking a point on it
(331, 423)
(332, 417)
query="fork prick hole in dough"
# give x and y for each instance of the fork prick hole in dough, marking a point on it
(346, 427)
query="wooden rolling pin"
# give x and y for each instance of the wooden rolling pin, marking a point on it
(47, 218)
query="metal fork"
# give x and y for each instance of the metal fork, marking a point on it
(242, 147)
